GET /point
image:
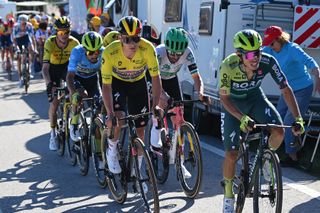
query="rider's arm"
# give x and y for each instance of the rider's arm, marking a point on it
(107, 98)
(153, 68)
(224, 92)
(230, 107)
(106, 75)
(75, 58)
(45, 72)
(286, 90)
(291, 101)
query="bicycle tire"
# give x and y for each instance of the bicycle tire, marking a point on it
(71, 154)
(60, 130)
(83, 156)
(117, 183)
(96, 157)
(192, 162)
(145, 175)
(241, 179)
(270, 197)
(160, 163)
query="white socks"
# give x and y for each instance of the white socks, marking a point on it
(113, 146)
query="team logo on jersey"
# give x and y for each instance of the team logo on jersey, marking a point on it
(224, 80)
(245, 85)
(119, 63)
(278, 72)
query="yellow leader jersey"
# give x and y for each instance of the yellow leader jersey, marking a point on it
(115, 64)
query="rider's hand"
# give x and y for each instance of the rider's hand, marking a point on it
(75, 98)
(111, 122)
(49, 91)
(157, 111)
(246, 123)
(298, 126)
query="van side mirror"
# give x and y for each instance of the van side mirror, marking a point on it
(224, 4)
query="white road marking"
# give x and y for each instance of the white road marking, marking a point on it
(286, 181)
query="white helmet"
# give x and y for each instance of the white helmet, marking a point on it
(23, 18)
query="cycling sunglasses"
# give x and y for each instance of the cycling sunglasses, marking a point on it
(130, 39)
(250, 55)
(90, 53)
(63, 32)
(178, 54)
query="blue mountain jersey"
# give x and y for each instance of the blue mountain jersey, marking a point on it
(80, 65)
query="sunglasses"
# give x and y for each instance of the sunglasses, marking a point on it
(171, 53)
(63, 32)
(252, 54)
(90, 53)
(131, 39)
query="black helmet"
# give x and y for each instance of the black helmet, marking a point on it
(62, 23)
(130, 25)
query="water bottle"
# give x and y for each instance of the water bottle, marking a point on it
(172, 151)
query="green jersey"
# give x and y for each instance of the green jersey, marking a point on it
(234, 81)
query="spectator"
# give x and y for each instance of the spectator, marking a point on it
(294, 62)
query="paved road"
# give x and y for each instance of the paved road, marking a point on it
(34, 179)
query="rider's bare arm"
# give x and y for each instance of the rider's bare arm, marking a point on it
(45, 72)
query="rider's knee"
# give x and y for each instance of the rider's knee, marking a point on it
(231, 156)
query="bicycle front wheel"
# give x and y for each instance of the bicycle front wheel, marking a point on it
(189, 160)
(267, 193)
(144, 177)
(60, 130)
(69, 142)
(83, 155)
(241, 178)
(97, 152)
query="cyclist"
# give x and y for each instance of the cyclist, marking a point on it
(243, 100)
(84, 65)
(110, 37)
(96, 24)
(172, 55)
(23, 35)
(124, 88)
(6, 41)
(57, 50)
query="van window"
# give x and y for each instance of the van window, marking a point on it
(173, 11)
(206, 18)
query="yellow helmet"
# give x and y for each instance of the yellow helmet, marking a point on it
(110, 37)
(34, 22)
(95, 21)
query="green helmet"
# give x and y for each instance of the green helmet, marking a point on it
(176, 40)
(92, 41)
(247, 40)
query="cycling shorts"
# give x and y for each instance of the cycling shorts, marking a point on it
(89, 84)
(6, 41)
(131, 96)
(23, 41)
(172, 87)
(58, 73)
(259, 108)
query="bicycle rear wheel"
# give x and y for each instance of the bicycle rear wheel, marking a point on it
(69, 142)
(160, 163)
(144, 178)
(267, 194)
(97, 156)
(241, 178)
(83, 156)
(189, 160)
(61, 135)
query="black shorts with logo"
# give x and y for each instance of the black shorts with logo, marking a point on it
(132, 97)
